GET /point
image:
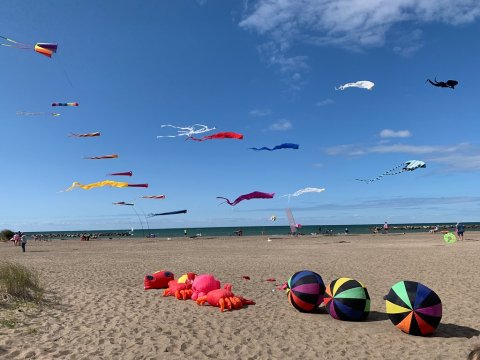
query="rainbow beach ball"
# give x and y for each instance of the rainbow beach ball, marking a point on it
(305, 290)
(347, 299)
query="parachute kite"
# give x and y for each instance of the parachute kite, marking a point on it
(407, 166)
(305, 190)
(85, 135)
(65, 104)
(168, 213)
(187, 130)
(113, 156)
(281, 146)
(153, 197)
(250, 196)
(40, 113)
(363, 84)
(126, 173)
(222, 135)
(46, 49)
(123, 203)
(104, 183)
(448, 84)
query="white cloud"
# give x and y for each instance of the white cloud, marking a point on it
(388, 133)
(281, 125)
(324, 102)
(355, 150)
(260, 112)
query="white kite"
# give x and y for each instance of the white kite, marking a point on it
(187, 130)
(303, 191)
(363, 84)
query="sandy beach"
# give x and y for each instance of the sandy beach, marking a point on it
(100, 310)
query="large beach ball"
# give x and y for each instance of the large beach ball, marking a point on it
(347, 299)
(413, 308)
(305, 290)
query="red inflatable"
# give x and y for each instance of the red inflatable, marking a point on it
(182, 291)
(158, 280)
(224, 299)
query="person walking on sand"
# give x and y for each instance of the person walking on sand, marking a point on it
(23, 241)
(385, 228)
(460, 228)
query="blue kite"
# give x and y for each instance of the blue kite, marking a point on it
(278, 147)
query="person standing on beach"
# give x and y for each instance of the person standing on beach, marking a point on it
(385, 228)
(23, 241)
(185, 232)
(460, 228)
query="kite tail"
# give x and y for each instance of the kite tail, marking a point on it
(388, 172)
(226, 201)
(74, 185)
(194, 138)
(262, 148)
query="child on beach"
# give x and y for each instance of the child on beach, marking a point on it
(23, 241)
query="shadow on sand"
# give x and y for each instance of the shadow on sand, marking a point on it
(455, 331)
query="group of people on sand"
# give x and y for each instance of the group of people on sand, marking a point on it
(19, 238)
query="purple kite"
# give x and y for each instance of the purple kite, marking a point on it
(281, 146)
(250, 196)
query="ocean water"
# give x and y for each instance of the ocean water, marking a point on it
(261, 230)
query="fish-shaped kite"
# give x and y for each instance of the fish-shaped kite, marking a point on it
(249, 196)
(112, 156)
(444, 84)
(187, 130)
(126, 173)
(94, 134)
(159, 197)
(281, 146)
(123, 203)
(222, 135)
(65, 104)
(38, 113)
(305, 190)
(168, 213)
(409, 165)
(112, 183)
(362, 84)
(47, 49)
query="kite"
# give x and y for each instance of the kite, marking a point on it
(27, 113)
(126, 173)
(153, 197)
(104, 183)
(222, 135)
(409, 165)
(363, 84)
(281, 146)
(187, 130)
(66, 104)
(85, 135)
(123, 203)
(250, 196)
(113, 156)
(46, 49)
(168, 213)
(305, 190)
(448, 84)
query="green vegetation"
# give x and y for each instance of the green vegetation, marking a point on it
(18, 284)
(6, 235)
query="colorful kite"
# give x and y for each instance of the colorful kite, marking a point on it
(113, 156)
(168, 213)
(46, 49)
(187, 130)
(363, 84)
(85, 135)
(66, 104)
(159, 197)
(104, 183)
(40, 113)
(305, 190)
(281, 146)
(126, 173)
(123, 203)
(409, 165)
(250, 196)
(222, 135)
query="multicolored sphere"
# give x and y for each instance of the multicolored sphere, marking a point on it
(305, 290)
(413, 308)
(347, 299)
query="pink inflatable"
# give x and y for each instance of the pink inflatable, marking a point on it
(203, 284)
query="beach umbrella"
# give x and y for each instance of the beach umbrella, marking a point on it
(450, 238)
(347, 299)
(413, 308)
(305, 290)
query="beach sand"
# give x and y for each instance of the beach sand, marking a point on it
(102, 312)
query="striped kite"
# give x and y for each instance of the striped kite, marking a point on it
(222, 135)
(113, 156)
(65, 104)
(85, 135)
(187, 130)
(158, 197)
(123, 203)
(46, 49)
(249, 196)
(126, 173)
(39, 113)
(363, 84)
(168, 213)
(104, 183)
(281, 146)
(409, 165)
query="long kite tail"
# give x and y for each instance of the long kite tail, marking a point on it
(194, 138)
(15, 44)
(392, 171)
(262, 148)
(226, 201)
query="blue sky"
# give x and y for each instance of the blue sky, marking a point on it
(266, 69)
